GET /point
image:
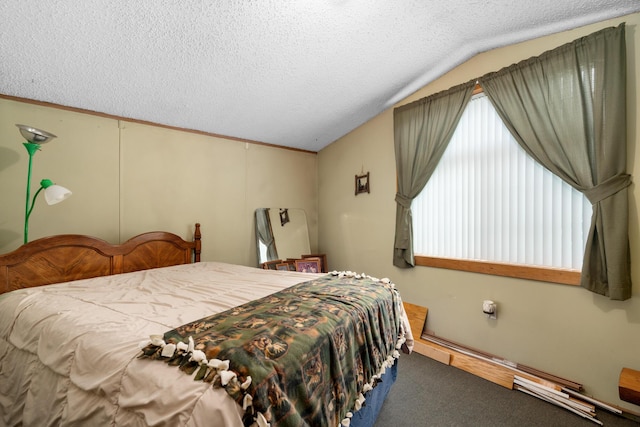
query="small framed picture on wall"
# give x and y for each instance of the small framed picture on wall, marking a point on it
(362, 183)
(284, 216)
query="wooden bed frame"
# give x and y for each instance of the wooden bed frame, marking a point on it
(69, 257)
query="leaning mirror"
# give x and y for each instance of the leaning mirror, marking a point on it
(281, 233)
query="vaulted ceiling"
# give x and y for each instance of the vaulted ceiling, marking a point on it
(297, 73)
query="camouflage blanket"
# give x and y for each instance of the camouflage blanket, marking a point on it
(310, 350)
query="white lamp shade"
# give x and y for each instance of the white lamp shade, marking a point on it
(55, 194)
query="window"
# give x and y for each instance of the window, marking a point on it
(488, 200)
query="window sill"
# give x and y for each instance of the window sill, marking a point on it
(543, 274)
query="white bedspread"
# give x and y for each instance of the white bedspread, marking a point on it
(68, 352)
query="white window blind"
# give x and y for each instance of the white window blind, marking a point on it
(489, 200)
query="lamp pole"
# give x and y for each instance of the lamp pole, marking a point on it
(31, 149)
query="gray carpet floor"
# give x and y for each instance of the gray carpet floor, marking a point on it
(429, 393)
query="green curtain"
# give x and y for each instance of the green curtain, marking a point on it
(265, 234)
(422, 131)
(567, 109)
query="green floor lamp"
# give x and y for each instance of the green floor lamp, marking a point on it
(52, 193)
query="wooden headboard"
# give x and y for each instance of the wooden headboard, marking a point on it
(69, 257)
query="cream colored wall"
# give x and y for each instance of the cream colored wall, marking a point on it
(128, 178)
(561, 329)
(84, 158)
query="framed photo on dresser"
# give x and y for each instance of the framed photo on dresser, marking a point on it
(324, 268)
(309, 265)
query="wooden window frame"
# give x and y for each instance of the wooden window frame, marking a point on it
(543, 274)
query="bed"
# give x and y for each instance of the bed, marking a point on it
(89, 347)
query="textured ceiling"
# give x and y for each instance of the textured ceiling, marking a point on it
(298, 73)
